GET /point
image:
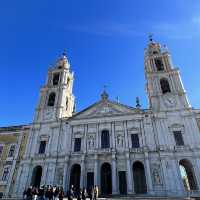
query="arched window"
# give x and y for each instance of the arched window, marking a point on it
(105, 139)
(51, 100)
(56, 78)
(159, 64)
(164, 85)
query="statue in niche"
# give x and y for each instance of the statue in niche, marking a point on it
(156, 175)
(119, 141)
(91, 142)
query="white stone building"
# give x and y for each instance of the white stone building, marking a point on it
(123, 150)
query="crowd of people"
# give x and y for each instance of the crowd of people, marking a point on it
(57, 193)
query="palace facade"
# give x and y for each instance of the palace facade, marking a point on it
(119, 148)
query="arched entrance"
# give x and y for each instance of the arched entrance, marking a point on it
(36, 176)
(75, 176)
(106, 179)
(187, 174)
(139, 178)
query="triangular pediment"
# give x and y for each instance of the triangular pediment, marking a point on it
(104, 109)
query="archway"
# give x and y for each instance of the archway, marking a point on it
(139, 178)
(187, 174)
(106, 179)
(75, 176)
(36, 176)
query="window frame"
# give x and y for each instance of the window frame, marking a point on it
(160, 67)
(178, 138)
(161, 87)
(138, 141)
(105, 144)
(8, 175)
(48, 99)
(1, 152)
(77, 146)
(54, 75)
(40, 148)
(12, 156)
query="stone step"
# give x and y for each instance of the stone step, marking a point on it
(130, 198)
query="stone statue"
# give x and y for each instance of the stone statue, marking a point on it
(156, 176)
(120, 141)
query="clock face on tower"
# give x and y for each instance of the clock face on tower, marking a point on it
(169, 100)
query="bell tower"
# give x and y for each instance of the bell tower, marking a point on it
(56, 97)
(164, 86)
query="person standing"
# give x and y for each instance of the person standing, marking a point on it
(79, 194)
(61, 194)
(90, 193)
(84, 194)
(95, 191)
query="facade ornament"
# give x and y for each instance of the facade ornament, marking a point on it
(104, 95)
(138, 103)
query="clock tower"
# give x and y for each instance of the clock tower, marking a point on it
(164, 86)
(56, 97)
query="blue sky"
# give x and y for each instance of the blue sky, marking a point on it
(105, 41)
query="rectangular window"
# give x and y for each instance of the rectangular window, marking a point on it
(77, 144)
(12, 151)
(42, 147)
(5, 174)
(135, 141)
(178, 138)
(1, 150)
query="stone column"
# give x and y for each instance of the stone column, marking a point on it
(18, 179)
(34, 143)
(96, 174)
(126, 135)
(65, 175)
(196, 170)
(113, 135)
(82, 179)
(129, 175)
(97, 136)
(114, 175)
(148, 174)
(85, 139)
(177, 177)
(44, 174)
